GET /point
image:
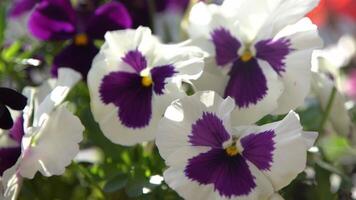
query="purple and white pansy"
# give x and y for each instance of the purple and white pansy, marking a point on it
(39, 135)
(134, 78)
(260, 53)
(208, 158)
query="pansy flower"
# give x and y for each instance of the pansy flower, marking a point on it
(13, 100)
(132, 80)
(210, 159)
(44, 135)
(260, 52)
(58, 20)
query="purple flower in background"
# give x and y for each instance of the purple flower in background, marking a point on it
(140, 9)
(20, 7)
(12, 99)
(210, 159)
(57, 20)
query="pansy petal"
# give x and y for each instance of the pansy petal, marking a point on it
(240, 87)
(67, 78)
(134, 101)
(159, 76)
(17, 131)
(11, 183)
(176, 128)
(8, 157)
(188, 189)
(188, 59)
(258, 148)
(20, 7)
(108, 17)
(76, 57)
(226, 46)
(254, 112)
(53, 138)
(12, 98)
(6, 121)
(304, 39)
(136, 60)
(274, 52)
(290, 150)
(53, 20)
(284, 13)
(141, 39)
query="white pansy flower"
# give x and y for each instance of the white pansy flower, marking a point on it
(132, 80)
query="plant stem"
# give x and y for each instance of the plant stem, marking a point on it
(327, 109)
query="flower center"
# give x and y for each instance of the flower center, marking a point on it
(146, 81)
(246, 56)
(232, 150)
(81, 39)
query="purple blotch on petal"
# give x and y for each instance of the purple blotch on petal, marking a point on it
(230, 175)
(12, 98)
(53, 20)
(258, 149)
(274, 52)
(17, 131)
(8, 157)
(159, 75)
(247, 84)
(76, 57)
(134, 101)
(208, 131)
(226, 46)
(136, 60)
(108, 17)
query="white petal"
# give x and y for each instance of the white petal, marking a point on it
(282, 13)
(187, 60)
(67, 78)
(290, 153)
(122, 41)
(304, 39)
(11, 183)
(56, 144)
(276, 196)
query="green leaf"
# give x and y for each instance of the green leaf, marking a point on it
(9, 53)
(135, 187)
(116, 183)
(2, 23)
(335, 147)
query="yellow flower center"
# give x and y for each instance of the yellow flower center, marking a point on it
(232, 150)
(246, 56)
(146, 81)
(81, 39)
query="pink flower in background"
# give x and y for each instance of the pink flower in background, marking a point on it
(351, 84)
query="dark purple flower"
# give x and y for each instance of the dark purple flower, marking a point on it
(226, 167)
(20, 7)
(12, 99)
(9, 155)
(58, 20)
(132, 92)
(140, 9)
(248, 84)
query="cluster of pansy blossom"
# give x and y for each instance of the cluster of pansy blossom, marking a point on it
(34, 141)
(260, 64)
(244, 59)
